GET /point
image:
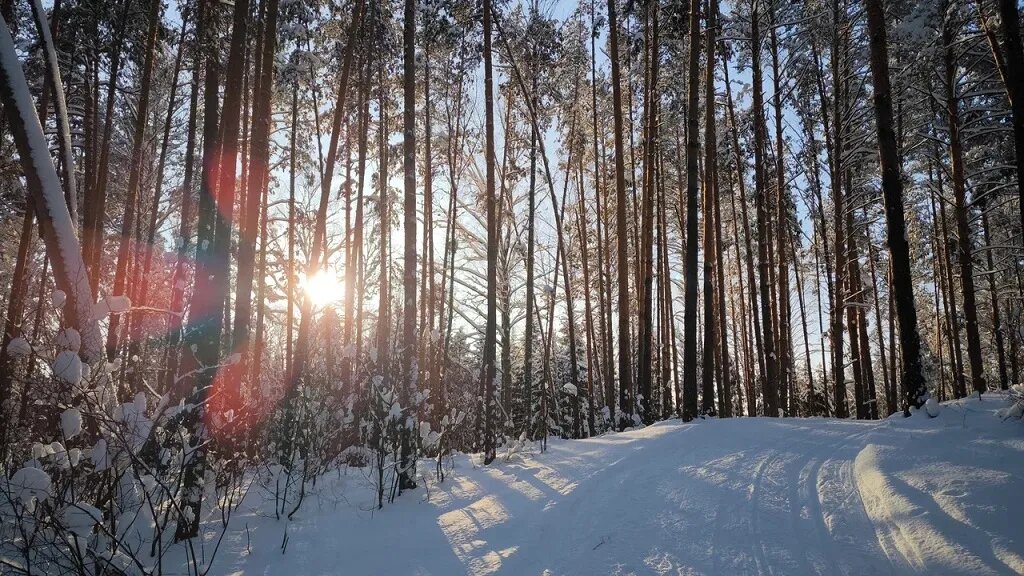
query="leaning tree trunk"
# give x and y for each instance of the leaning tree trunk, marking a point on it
(53, 82)
(47, 198)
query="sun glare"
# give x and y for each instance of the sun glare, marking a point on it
(323, 288)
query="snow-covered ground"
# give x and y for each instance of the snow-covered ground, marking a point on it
(921, 495)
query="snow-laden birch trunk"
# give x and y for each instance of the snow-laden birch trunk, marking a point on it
(47, 197)
(61, 108)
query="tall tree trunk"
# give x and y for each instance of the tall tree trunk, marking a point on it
(141, 275)
(625, 412)
(692, 197)
(257, 182)
(748, 245)
(124, 250)
(603, 275)
(301, 350)
(896, 226)
(646, 336)
(964, 244)
(94, 207)
(410, 368)
(711, 331)
(770, 390)
(839, 222)
(200, 349)
(1009, 21)
(488, 371)
(782, 201)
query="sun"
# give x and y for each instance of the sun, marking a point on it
(323, 288)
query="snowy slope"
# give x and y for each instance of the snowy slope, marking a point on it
(739, 496)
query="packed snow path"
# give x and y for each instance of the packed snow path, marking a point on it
(737, 496)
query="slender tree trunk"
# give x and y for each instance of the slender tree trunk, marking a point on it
(95, 206)
(964, 244)
(134, 176)
(200, 349)
(257, 182)
(783, 233)
(301, 349)
(997, 323)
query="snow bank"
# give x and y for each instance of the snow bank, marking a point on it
(943, 493)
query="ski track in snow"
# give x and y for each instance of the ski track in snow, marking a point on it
(739, 496)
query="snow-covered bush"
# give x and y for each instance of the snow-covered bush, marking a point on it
(1015, 407)
(93, 482)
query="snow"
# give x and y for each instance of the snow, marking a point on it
(71, 423)
(29, 484)
(19, 347)
(111, 305)
(63, 242)
(80, 518)
(98, 455)
(135, 424)
(69, 339)
(59, 103)
(738, 496)
(67, 366)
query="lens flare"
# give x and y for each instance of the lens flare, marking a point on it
(323, 288)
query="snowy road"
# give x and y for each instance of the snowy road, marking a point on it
(740, 496)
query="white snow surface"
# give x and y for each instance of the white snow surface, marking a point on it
(790, 496)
